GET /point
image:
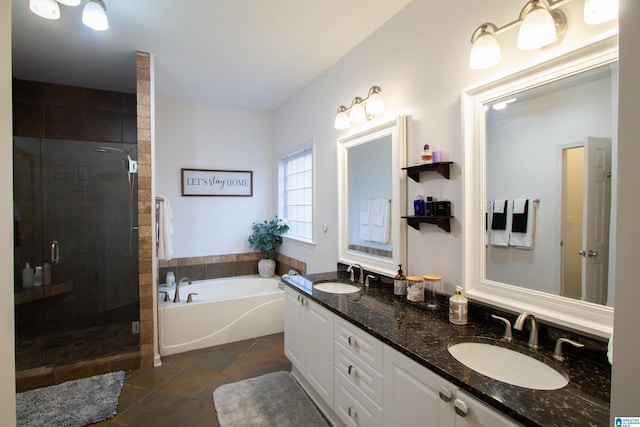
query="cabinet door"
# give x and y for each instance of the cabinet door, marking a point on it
(294, 331)
(478, 414)
(412, 394)
(319, 349)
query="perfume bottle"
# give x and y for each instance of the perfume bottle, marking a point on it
(426, 155)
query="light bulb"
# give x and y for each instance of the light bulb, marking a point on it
(375, 104)
(48, 9)
(342, 119)
(70, 2)
(537, 30)
(357, 113)
(94, 16)
(599, 11)
(485, 52)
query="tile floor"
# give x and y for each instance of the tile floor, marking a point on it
(180, 392)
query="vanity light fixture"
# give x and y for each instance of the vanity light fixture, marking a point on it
(542, 25)
(360, 109)
(94, 13)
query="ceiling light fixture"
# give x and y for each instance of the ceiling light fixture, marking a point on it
(94, 13)
(48, 9)
(542, 25)
(360, 110)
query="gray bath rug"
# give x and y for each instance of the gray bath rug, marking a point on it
(74, 403)
(273, 399)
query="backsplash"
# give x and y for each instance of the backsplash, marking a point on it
(218, 266)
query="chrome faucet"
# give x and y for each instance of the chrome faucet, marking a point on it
(557, 352)
(176, 296)
(533, 336)
(360, 278)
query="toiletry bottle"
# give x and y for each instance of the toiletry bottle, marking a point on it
(170, 279)
(37, 277)
(419, 207)
(426, 155)
(430, 206)
(458, 308)
(400, 283)
(46, 273)
(27, 277)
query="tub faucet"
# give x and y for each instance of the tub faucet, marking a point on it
(533, 336)
(360, 278)
(176, 296)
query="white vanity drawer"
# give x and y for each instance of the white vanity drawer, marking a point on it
(352, 406)
(361, 375)
(360, 343)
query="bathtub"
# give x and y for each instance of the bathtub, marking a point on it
(225, 310)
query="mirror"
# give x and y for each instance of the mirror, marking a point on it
(542, 141)
(372, 197)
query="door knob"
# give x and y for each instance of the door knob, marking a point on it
(582, 252)
(592, 254)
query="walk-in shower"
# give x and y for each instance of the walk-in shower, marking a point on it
(72, 193)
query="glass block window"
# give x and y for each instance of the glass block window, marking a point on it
(296, 193)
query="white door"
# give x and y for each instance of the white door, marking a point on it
(597, 207)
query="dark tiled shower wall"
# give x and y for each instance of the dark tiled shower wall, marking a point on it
(218, 266)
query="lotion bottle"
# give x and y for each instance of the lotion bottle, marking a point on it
(400, 283)
(27, 277)
(458, 308)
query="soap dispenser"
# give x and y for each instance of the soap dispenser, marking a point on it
(27, 277)
(458, 308)
(400, 283)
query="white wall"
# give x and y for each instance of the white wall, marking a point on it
(7, 360)
(626, 379)
(198, 136)
(419, 58)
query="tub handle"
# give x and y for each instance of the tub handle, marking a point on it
(190, 297)
(166, 296)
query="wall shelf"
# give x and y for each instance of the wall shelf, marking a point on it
(414, 171)
(444, 222)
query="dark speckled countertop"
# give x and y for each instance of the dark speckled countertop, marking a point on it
(424, 336)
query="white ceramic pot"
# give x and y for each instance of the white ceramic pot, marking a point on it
(266, 267)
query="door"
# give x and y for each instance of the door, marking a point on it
(597, 208)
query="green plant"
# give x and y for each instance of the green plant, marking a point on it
(267, 236)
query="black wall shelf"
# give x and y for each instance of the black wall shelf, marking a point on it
(414, 171)
(444, 222)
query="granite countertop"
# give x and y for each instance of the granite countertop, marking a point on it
(424, 336)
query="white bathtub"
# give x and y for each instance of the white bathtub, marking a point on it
(225, 310)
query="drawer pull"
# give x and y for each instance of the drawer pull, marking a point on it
(445, 394)
(461, 408)
(299, 297)
(351, 341)
(351, 370)
(352, 412)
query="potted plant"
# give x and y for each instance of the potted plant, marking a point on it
(267, 238)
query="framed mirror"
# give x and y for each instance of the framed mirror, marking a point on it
(540, 189)
(372, 197)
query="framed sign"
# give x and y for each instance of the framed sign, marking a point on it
(205, 182)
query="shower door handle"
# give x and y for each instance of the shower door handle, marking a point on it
(55, 252)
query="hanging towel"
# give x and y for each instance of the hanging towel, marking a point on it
(523, 239)
(380, 229)
(520, 213)
(365, 219)
(165, 229)
(500, 223)
(378, 211)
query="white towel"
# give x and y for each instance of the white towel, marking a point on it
(500, 237)
(365, 219)
(524, 240)
(382, 233)
(165, 229)
(378, 211)
(518, 206)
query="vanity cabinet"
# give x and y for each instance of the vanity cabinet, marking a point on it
(358, 362)
(413, 395)
(308, 341)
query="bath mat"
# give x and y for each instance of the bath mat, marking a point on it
(74, 403)
(273, 399)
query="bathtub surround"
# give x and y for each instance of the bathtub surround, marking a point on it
(74, 403)
(273, 399)
(218, 266)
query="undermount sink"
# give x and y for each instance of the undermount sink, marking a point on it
(336, 287)
(507, 365)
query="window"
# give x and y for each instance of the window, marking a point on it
(296, 193)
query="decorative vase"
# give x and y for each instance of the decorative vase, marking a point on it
(266, 267)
